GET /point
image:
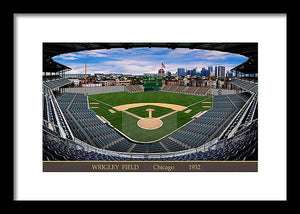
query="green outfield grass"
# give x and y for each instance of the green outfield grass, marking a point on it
(120, 98)
(109, 100)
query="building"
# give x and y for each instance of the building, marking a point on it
(108, 83)
(188, 72)
(161, 72)
(221, 71)
(168, 73)
(229, 74)
(194, 72)
(123, 82)
(181, 72)
(172, 83)
(76, 76)
(210, 68)
(204, 72)
(76, 82)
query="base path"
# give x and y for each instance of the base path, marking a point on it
(134, 105)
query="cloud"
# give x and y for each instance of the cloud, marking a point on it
(68, 56)
(146, 60)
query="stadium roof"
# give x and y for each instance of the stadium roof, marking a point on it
(246, 49)
(51, 66)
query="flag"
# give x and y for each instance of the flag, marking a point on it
(162, 65)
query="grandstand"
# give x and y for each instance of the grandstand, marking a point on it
(72, 131)
(134, 88)
(245, 85)
(190, 90)
(56, 83)
(186, 90)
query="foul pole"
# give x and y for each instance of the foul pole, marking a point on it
(85, 80)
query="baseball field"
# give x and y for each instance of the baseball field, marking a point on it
(147, 116)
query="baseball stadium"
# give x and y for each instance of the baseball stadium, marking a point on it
(151, 121)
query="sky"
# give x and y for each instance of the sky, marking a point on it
(137, 61)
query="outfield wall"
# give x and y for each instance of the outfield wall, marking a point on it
(97, 89)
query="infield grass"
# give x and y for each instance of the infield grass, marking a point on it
(158, 111)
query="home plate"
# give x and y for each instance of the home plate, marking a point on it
(188, 111)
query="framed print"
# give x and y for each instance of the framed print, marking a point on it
(150, 106)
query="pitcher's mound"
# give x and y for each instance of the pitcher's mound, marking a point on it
(149, 123)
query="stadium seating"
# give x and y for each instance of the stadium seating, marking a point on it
(246, 85)
(138, 88)
(165, 87)
(88, 128)
(190, 90)
(242, 146)
(213, 121)
(134, 88)
(148, 148)
(179, 89)
(201, 91)
(52, 84)
(185, 89)
(172, 88)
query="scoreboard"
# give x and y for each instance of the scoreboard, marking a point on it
(152, 81)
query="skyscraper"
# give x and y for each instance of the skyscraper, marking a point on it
(203, 72)
(229, 74)
(210, 68)
(193, 73)
(180, 72)
(221, 71)
(188, 72)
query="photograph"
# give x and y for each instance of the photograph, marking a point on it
(150, 107)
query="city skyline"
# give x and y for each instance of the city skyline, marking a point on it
(146, 60)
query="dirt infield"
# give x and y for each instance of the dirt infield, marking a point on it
(134, 105)
(150, 123)
(188, 111)
(111, 111)
(93, 103)
(150, 110)
(206, 106)
(206, 102)
(93, 107)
